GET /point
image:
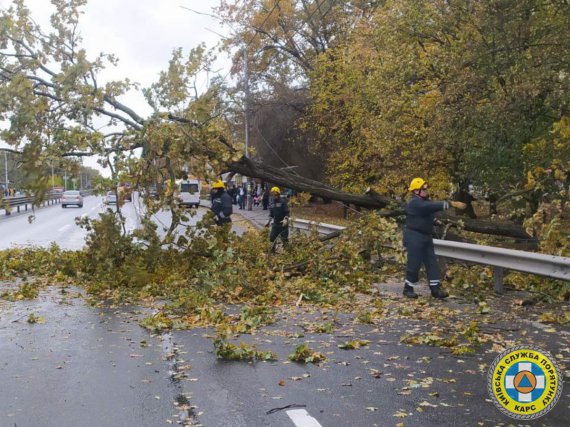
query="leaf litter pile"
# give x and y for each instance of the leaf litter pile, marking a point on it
(212, 278)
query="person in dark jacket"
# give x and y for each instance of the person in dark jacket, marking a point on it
(279, 213)
(242, 196)
(265, 198)
(232, 192)
(221, 203)
(418, 240)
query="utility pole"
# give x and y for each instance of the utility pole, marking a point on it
(6, 167)
(246, 107)
(246, 101)
(52, 177)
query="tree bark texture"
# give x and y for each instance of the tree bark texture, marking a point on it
(254, 169)
(371, 200)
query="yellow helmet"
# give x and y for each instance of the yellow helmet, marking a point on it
(275, 190)
(218, 184)
(416, 184)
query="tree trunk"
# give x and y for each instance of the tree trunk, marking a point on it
(493, 201)
(463, 195)
(506, 229)
(289, 179)
(370, 200)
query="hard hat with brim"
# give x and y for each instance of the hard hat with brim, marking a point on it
(218, 184)
(275, 190)
(416, 184)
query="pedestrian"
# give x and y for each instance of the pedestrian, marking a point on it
(418, 240)
(265, 198)
(221, 203)
(241, 196)
(232, 193)
(279, 215)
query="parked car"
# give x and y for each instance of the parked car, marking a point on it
(71, 198)
(110, 198)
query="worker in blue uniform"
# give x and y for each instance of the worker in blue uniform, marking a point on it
(279, 217)
(418, 240)
(221, 203)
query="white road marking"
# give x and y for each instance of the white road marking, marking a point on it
(301, 418)
(65, 227)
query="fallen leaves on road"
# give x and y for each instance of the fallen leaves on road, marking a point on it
(303, 353)
(33, 318)
(354, 344)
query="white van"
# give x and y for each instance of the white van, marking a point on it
(188, 192)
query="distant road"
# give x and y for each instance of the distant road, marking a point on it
(55, 224)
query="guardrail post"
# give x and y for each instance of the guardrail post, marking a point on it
(498, 273)
(442, 263)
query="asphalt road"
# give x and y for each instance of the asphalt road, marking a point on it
(382, 384)
(83, 367)
(92, 367)
(52, 223)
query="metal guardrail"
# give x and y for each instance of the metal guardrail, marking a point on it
(321, 227)
(500, 259)
(19, 201)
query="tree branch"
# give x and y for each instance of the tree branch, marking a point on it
(256, 169)
(121, 107)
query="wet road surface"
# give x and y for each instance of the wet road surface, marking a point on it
(84, 366)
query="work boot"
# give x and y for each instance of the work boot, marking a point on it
(409, 292)
(438, 293)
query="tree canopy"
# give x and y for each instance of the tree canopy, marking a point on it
(458, 92)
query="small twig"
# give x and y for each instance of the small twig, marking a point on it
(18, 319)
(293, 405)
(445, 231)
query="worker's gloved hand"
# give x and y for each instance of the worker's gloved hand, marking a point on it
(458, 205)
(285, 221)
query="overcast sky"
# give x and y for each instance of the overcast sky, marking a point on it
(141, 33)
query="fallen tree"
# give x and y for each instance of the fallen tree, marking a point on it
(54, 101)
(299, 183)
(370, 200)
